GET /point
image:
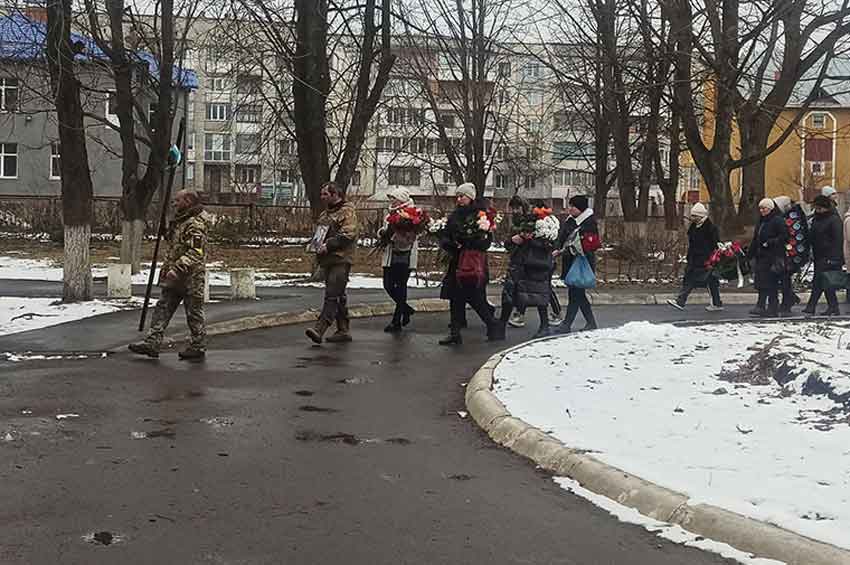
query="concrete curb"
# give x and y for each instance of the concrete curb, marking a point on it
(746, 534)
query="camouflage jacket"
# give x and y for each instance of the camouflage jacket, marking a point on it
(341, 239)
(187, 250)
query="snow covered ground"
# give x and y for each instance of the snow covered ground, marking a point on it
(20, 267)
(23, 314)
(751, 417)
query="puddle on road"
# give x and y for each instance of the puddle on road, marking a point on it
(461, 477)
(356, 381)
(103, 538)
(304, 393)
(177, 395)
(166, 433)
(346, 438)
(319, 409)
(321, 359)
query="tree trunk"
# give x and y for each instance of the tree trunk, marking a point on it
(132, 236)
(722, 204)
(77, 198)
(754, 140)
(76, 265)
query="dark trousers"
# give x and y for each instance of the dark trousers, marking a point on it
(818, 290)
(477, 300)
(789, 297)
(335, 307)
(395, 283)
(578, 301)
(769, 300)
(164, 310)
(688, 286)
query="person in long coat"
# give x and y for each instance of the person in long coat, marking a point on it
(827, 242)
(582, 221)
(454, 241)
(767, 251)
(528, 281)
(703, 237)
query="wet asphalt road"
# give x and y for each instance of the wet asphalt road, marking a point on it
(274, 451)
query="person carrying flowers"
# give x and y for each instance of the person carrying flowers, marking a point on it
(466, 238)
(399, 239)
(528, 281)
(703, 237)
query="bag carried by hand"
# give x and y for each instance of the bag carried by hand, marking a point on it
(580, 274)
(833, 279)
(472, 268)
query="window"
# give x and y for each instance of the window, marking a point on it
(190, 172)
(288, 175)
(404, 176)
(447, 119)
(248, 84)
(447, 177)
(531, 153)
(533, 70)
(504, 69)
(287, 147)
(9, 160)
(8, 94)
(529, 182)
(216, 147)
(502, 181)
(488, 147)
(355, 178)
(217, 83)
(819, 120)
(248, 174)
(394, 144)
(218, 111)
(535, 98)
(111, 105)
(247, 144)
(532, 126)
(216, 55)
(569, 150)
(249, 113)
(55, 171)
(818, 168)
(405, 115)
(502, 152)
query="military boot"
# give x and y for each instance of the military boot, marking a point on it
(343, 331)
(144, 348)
(317, 332)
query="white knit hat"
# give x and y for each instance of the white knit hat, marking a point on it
(783, 203)
(466, 189)
(828, 191)
(401, 194)
(699, 210)
(767, 203)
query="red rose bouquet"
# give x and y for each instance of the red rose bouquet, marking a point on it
(408, 220)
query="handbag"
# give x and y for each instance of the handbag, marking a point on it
(472, 268)
(580, 274)
(833, 279)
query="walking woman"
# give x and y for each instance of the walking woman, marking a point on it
(703, 237)
(401, 253)
(768, 251)
(465, 242)
(827, 242)
(528, 281)
(580, 225)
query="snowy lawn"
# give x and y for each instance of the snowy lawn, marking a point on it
(18, 267)
(23, 314)
(751, 417)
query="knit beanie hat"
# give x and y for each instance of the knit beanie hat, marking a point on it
(767, 203)
(783, 203)
(699, 210)
(466, 189)
(822, 201)
(579, 201)
(400, 194)
(828, 191)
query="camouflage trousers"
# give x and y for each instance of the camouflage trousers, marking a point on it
(165, 307)
(335, 306)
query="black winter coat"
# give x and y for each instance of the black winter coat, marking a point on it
(568, 226)
(529, 277)
(702, 241)
(827, 239)
(768, 251)
(454, 241)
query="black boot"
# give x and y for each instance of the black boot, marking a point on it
(407, 312)
(144, 348)
(496, 331)
(451, 339)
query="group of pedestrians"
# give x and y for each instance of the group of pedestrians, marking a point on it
(783, 240)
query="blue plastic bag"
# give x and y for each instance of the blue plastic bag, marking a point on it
(580, 274)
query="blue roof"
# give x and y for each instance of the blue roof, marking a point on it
(23, 39)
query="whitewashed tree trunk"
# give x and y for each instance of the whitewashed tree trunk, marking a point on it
(76, 264)
(132, 234)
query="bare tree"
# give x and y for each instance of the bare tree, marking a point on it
(77, 198)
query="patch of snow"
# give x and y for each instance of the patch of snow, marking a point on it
(671, 532)
(66, 416)
(24, 314)
(649, 399)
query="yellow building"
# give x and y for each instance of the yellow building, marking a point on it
(816, 154)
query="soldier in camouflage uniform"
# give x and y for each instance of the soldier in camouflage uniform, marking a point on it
(335, 254)
(181, 279)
